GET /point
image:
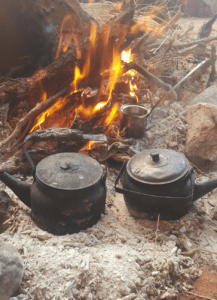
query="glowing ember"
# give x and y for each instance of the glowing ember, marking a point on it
(99, 106)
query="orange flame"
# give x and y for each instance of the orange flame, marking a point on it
(127, 57)
(87, 111)
(71, 37)
(99, 106)
(111, 115)
(66, 18)
(114, 73)
(93, 33)
(42, 117)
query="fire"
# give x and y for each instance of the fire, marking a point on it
(127, 57)
(78, 75)
(42, 117)
(61, 35)
(68, 40)
(114, 73)
(99, 106)
(93, 33)
(77, 78)
(86, 111)
(111, 115)
(44, 97)
(133, 89)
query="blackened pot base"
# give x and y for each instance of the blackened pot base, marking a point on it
(67, 213)
(67, 227)
(166, 213)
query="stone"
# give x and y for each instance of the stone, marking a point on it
(20, 297)
(173, 251)
(201, 142)
(207, 96)
(6, 209)
(43, 235)
(11, 270)
(128, 297)
(167, 295)
(155, 273)
(179, 252)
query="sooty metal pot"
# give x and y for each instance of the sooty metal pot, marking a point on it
(68, 193)
(161, 182)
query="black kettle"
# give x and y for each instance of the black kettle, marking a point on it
(68, 193)
(160, 181)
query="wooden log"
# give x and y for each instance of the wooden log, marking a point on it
(210, 62)
(179, 45)
(60, 73)
(186, 32)
(194, 50)
(120, 157)
(171, 22)
(66, 140)
(24, 125)
(75, 122)
(31, 39)
(87, 126)
(99, 153)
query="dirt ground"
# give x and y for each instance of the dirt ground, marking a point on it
(205, 286)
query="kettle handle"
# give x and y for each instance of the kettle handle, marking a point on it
(148, 196)
(87, 137)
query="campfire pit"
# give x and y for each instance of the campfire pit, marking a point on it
(132, 251)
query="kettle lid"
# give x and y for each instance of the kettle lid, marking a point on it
(69, 171)
(157, 166)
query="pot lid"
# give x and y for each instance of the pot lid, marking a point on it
(69, 171)
(158, 166)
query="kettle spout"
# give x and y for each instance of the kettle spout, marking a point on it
(204, 188)
(21, 189)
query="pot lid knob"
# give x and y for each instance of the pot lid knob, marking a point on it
(69, 171)
(67, 165)
(157, 166)
(155, 156)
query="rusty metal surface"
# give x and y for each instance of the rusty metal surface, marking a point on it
(147, 167)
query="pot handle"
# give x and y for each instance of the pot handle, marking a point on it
(117, 189)
(87, 137)
(152, 197)
(124, 191)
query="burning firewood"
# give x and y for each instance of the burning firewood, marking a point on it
(122, 61)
